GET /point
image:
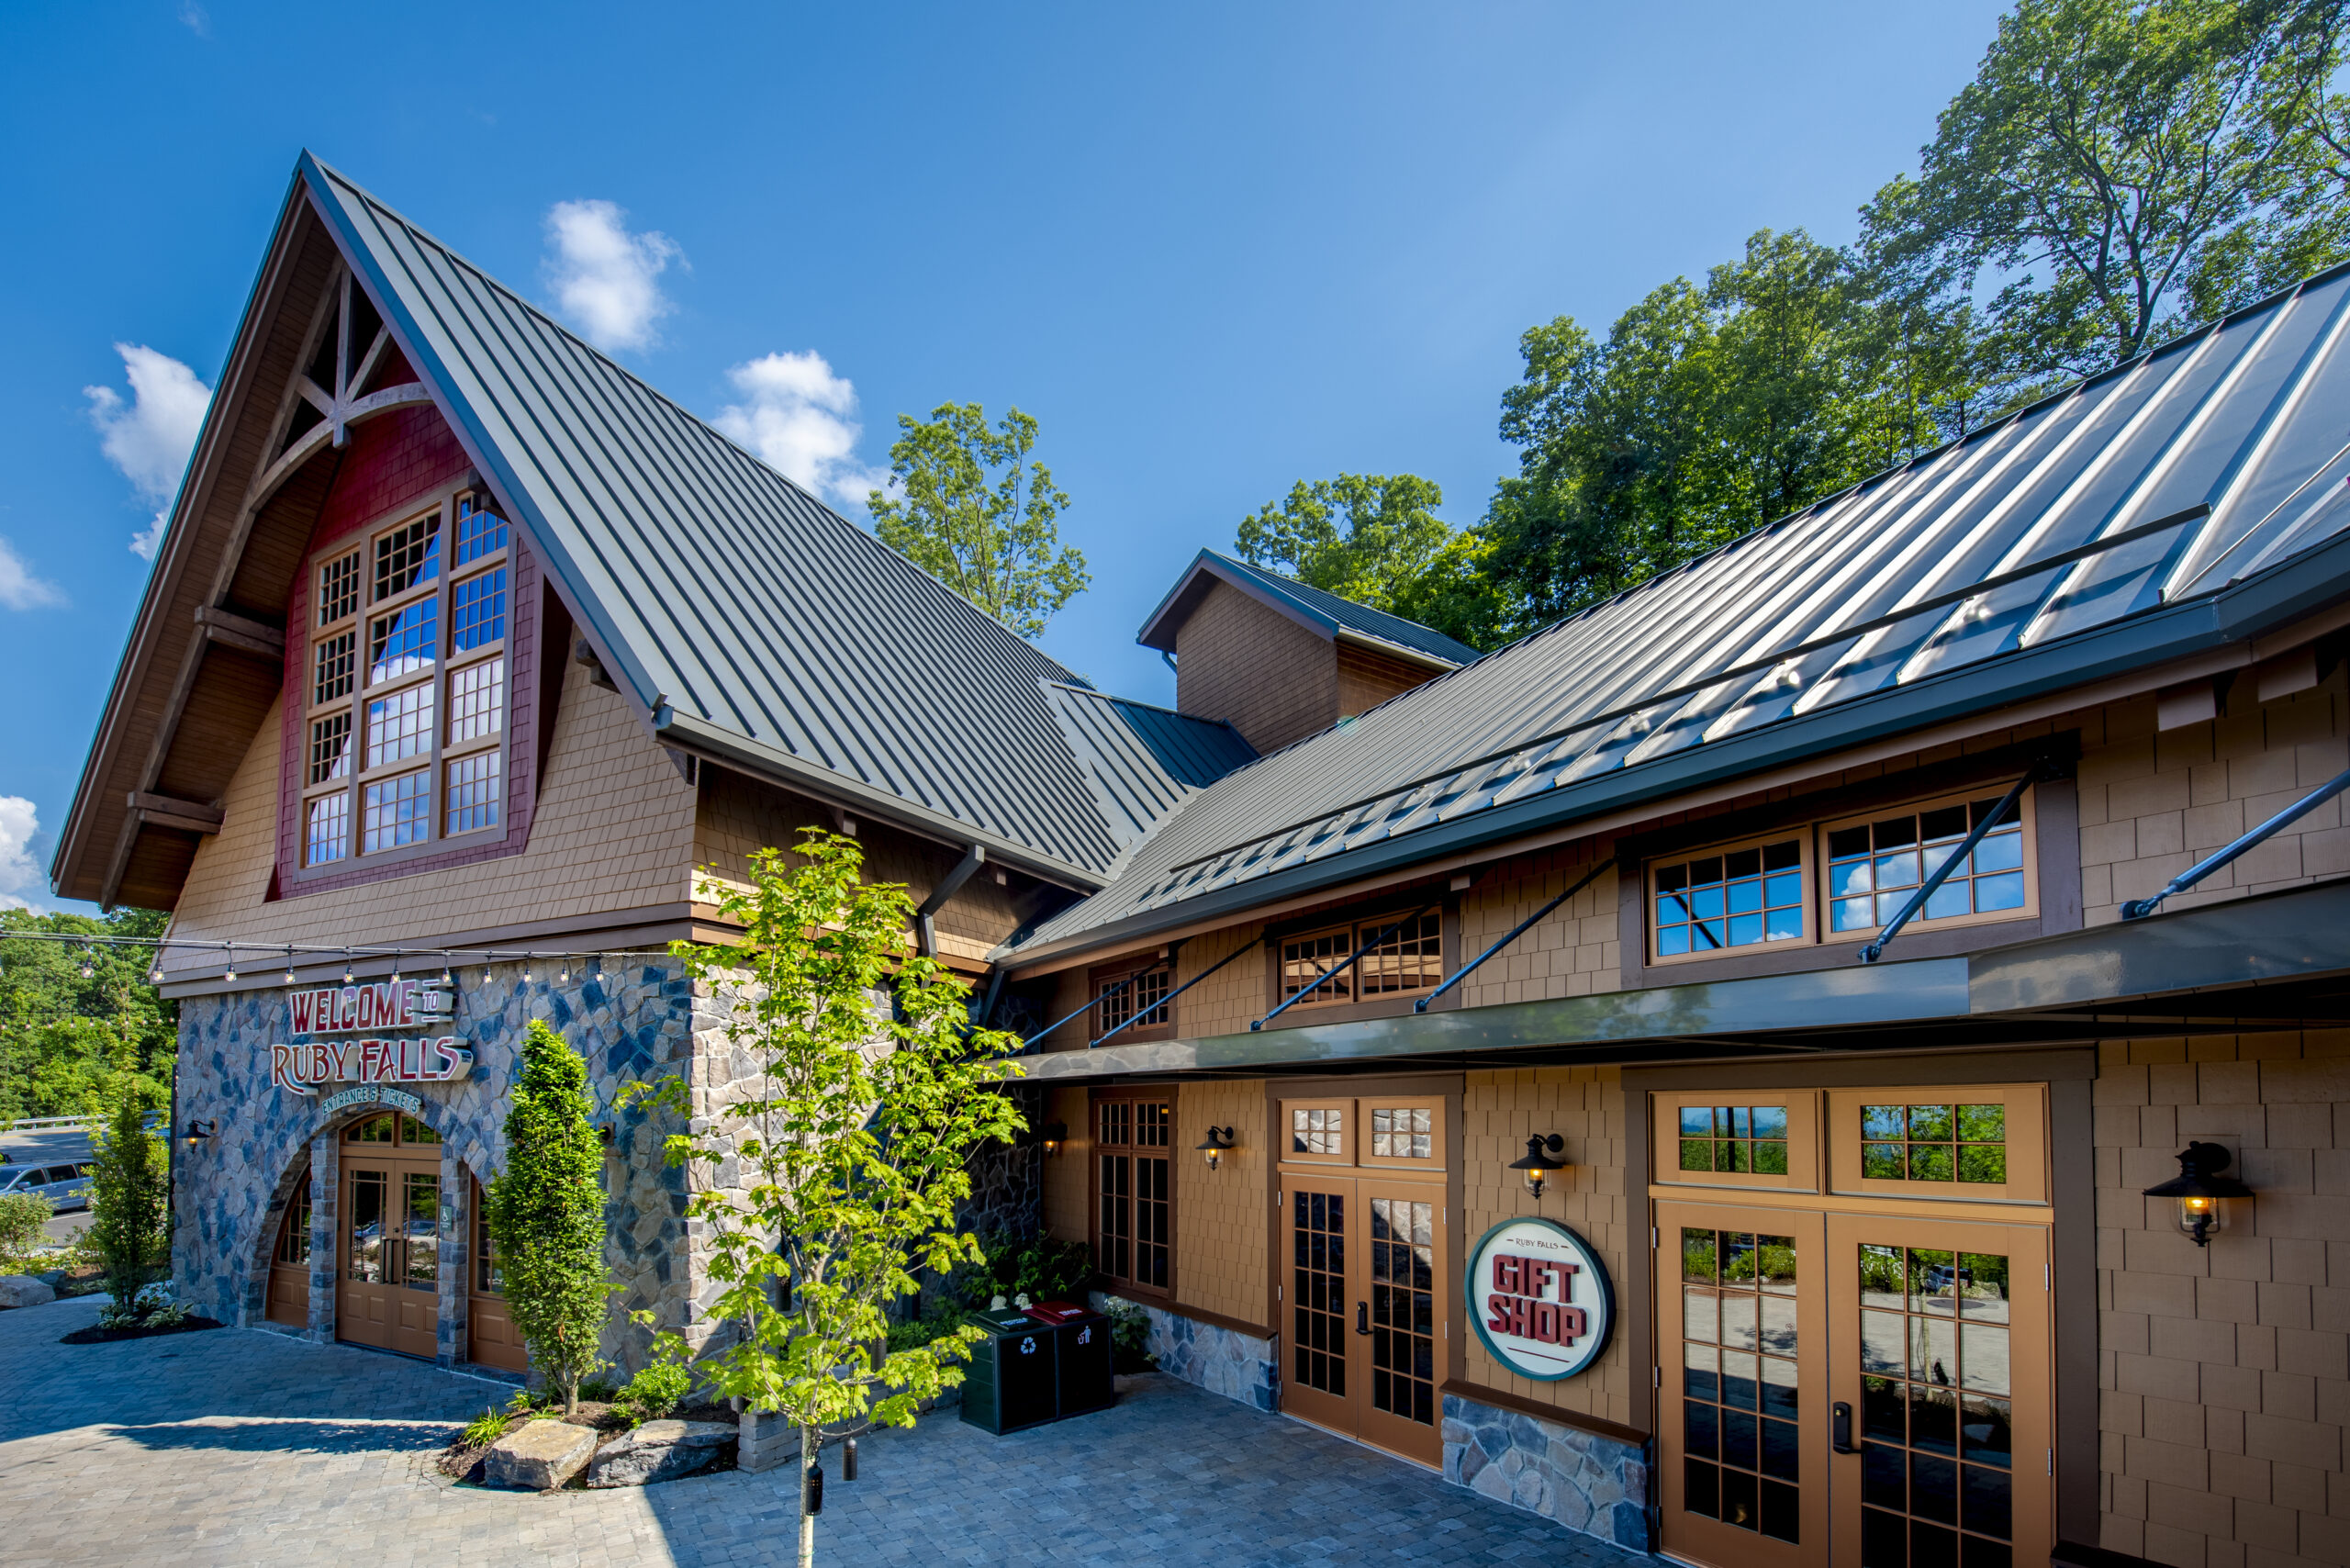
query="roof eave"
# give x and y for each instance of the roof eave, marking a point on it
(790, 772)
(196, 482)
(2281, 594)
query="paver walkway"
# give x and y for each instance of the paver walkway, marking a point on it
(239, 1446)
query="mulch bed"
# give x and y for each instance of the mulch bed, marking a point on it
(95, 1336)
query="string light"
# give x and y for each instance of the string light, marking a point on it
(89, 968)
(396, 957)
(289, 966)
(448, 980)
(600, 969)
(526, 968)
(346, 966)
(230, 978)
(155, 970)
(565, 978)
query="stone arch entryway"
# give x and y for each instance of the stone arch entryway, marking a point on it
(389, 1227)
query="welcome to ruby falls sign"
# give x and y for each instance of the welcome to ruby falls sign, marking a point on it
(304, 1063)
(1540, 1298)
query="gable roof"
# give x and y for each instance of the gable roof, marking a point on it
(2193, 497)
(1326, 613)
(744, 619)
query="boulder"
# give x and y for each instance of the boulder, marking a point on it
(539, 1455)
(659, 1450)
(23, 1290)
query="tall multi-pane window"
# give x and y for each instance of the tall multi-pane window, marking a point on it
(405, 679)
(1133, 1233)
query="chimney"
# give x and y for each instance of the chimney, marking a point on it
(1279, 660)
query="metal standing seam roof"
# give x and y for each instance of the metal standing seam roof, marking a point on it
(2215, 457)
(1327, 611)
(744, 615)
(1142, 761)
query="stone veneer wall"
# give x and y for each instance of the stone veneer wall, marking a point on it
(1223, 1360)
(232, 1190)
(1581, 1479)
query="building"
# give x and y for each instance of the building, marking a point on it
(1696, 1074)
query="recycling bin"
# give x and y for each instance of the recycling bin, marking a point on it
(1012, 1382)
(1083, 1379)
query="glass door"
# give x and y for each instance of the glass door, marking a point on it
(1742, 1384)
(389, 1293)
(1941, 1385)
(1366, 1333)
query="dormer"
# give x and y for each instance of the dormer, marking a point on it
(1279, 660)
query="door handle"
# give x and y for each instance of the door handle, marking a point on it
(1362, 1318)
(1840, 1428)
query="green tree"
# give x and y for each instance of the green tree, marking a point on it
(129, 1191)
(976, 511)
(64, 1036)
(547, 1215)
(843, 1169)
(1361, 536)
(2122, 169)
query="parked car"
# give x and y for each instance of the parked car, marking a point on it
(65, 1186)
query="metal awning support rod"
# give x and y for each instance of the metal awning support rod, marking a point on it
(1244, 948)
(1328, 975)
(1105, 996)
(1520, 929)
(1951, 862)
(2138, 908)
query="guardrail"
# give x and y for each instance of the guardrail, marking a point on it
(50, 1123)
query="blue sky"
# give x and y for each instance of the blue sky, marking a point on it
(1214, 249)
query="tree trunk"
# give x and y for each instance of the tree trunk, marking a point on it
(810, 1456)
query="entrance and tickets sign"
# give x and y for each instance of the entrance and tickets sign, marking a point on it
(1540, 1298)
(392, 1097)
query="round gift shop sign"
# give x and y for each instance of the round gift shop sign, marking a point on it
(1540, 1298)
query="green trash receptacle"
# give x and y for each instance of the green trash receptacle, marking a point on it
(1012, 1380)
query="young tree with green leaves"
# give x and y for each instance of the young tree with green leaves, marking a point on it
(976, 511)
(129, 1196)
(547, 1215)
(1376, 539)
(872, 1091)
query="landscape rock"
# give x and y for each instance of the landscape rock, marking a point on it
(23, 1290)
(659, 1450)
(539, 1456)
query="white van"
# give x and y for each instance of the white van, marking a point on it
(65, 1186)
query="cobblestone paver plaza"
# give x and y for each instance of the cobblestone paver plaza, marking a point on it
(236, 1447)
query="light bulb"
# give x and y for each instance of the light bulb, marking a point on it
(565, 979)
(154, 974)
(346, 967)
(231, 976)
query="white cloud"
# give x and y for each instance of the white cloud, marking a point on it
(18, 874)
(605, 278)
(797, 415)
(19, 589)
(149, 437)
(196, 18)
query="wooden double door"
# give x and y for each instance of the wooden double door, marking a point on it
(1366, 1314)
(388, 1287)
(1863, 1390)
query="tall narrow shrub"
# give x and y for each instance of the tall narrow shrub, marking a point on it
(547, 1215)
(129, 1187)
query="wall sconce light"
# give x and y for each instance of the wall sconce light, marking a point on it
(1544, 1157)
(1214, 1145)
(1052, 1134)
(199, 1131)
(2202, 1193)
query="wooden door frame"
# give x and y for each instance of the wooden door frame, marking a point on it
(399, 1162)
(2030, 1361)
(2070, 1071)
(1729, 1543)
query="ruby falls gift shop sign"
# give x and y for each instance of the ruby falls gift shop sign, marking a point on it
(1540, 1298)
(321, 1015)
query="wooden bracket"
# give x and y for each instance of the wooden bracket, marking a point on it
(236, 632)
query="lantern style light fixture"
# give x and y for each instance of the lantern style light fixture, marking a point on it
(2202, 1193)
(1052, 1134)
(1214, 1145)
(197, 1131)
(1545, 1158)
